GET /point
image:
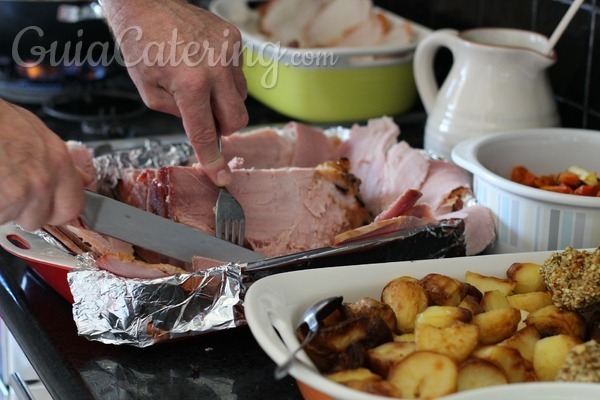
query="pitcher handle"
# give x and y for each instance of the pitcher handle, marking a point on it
(423, 63)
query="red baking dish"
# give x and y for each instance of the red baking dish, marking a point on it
(50, 262)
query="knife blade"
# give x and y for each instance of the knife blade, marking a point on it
(153, 232)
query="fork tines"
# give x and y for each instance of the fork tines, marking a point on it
(230, 222)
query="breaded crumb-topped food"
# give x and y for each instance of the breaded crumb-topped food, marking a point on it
(573, 276)
(582, 363)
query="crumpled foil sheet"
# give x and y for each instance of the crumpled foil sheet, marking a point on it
(152, 154)
(141, 312)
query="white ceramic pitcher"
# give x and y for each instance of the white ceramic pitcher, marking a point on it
(497, 82)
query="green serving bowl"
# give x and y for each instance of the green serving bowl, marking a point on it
(326, 85)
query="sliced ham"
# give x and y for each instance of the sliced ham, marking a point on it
(311, 145)
(479, 227)
(76, 237)
(133, 188)
(203, 263)
(251, 147)
(294, 145)
(380, 229)
(127, 266)
(386, 167)
(444, 185)
(401, 206)
(288, 210)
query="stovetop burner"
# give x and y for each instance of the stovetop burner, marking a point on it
(36, 83)
(95, 110)
(103, 112)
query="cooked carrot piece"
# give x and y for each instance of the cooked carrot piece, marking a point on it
(587, 190)
(546, 180)
(568, 181)
(562, 188)
(521, 175)
(568, 178)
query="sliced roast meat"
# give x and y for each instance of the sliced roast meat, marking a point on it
(260, 148)
(387, 168)
(294, 145)
(401, 206)
(132, 187)
(68, 239)
(77, 236)
(288, 210)
(444, 186)
(479, 227)
(380, 229)
(311, 146)
(202, 263)
(185, 195)
(127, 266)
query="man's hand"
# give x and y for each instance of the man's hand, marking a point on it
(39, 182)
(185, 61)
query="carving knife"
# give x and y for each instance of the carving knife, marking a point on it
(152, 232)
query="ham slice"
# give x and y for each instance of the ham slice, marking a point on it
(295, 145)
(127, 266)
(251, 147)
(288, 210)
(401, 206)
(78, 239)
(402, 215)
(479, 227)
(387, 168)
(444, 185)
(380, 229)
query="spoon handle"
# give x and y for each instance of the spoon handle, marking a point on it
(562, 25)
(282, 370)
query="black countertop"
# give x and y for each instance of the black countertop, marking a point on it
(223, 365)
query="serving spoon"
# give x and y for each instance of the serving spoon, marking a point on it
(562, 25)
(311, 317)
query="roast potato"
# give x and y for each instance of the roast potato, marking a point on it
(407, 298)
(424, 374)
(476, 373)
(550, 354)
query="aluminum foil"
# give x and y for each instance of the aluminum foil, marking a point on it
(141, 312)
(152, 154)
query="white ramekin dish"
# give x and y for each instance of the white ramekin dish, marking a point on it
(530, 219)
